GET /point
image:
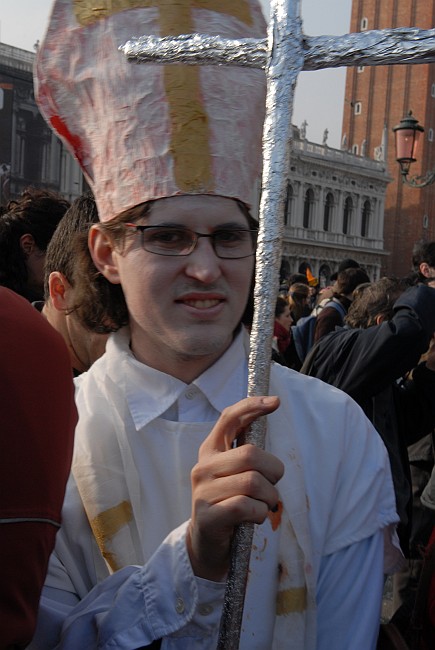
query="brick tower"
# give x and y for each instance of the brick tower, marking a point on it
(376, 99)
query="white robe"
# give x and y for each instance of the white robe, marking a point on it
(337, 500)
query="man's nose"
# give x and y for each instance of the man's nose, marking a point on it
(203, 263)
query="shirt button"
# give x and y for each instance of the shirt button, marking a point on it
(190, 394)
(205, 610)
(179, 606)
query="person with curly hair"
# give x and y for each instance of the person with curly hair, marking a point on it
(26, 228)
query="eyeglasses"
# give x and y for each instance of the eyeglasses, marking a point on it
(171, 240)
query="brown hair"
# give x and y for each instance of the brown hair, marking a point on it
(297, 298)
(375, 300)
(36, 212)
(349, 279)
(281, 304)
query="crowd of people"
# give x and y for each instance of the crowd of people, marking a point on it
(381, 352)
(125, 342)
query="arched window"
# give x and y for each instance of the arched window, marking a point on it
(288, 205)
(365, 218)
(347, 215)
(308, 208)
(327, 212)
(364, 24)
(324, 275)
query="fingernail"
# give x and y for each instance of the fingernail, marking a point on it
(268, 401)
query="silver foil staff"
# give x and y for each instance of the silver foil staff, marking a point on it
(284, 65)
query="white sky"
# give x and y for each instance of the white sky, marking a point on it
(319, 95)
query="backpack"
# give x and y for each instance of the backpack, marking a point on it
(303, 331)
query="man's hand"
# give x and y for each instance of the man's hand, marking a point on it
(230, 486)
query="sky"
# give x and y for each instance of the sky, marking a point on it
(319, 95)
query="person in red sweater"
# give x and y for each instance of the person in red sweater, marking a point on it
(38, 417)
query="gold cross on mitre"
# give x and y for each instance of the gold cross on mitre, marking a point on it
(89, 11)
(188, 117)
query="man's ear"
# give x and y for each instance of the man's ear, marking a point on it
(379, 319)
(27, 244)
(58, 286)
(103, 254)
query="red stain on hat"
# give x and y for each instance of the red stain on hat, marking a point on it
(65, 133)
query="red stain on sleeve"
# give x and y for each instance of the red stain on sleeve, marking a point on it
(275, 517)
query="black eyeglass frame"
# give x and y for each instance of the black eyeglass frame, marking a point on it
(197, 235)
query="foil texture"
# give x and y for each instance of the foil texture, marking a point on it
(376, 47)
(286, 62)
(197, 49)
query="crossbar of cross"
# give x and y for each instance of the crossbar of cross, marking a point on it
(284, 55)
(400, 46)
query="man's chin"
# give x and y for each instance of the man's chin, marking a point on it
(197, 346)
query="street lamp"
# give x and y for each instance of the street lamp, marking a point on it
(407, 134)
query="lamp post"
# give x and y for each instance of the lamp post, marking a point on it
(407, 134)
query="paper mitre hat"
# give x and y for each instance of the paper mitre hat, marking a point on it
(148, 131)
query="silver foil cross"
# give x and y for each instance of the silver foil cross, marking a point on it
(285, 53)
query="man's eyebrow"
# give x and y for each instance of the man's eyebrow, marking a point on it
(166, 224)
(230, 225)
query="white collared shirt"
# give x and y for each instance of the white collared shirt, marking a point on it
(167, 419)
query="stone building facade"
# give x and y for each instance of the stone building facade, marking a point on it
(335, 209)
(30, 154)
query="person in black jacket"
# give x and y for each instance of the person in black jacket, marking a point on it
(389, 332)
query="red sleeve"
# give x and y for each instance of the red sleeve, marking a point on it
(38, 417)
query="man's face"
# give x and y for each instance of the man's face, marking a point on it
(184, 309)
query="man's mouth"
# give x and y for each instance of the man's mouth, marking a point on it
(202, 304)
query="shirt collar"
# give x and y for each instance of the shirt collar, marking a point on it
(150, 392)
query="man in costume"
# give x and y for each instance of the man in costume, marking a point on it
(172, 154)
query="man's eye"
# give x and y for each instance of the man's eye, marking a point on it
(229, 236)
(166, 236)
